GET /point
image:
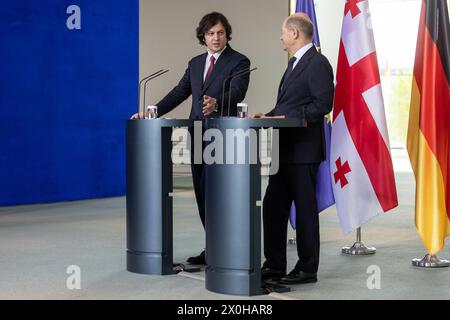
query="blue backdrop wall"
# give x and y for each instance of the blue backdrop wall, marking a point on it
(64, 98)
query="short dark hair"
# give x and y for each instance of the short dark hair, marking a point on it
(209, 21)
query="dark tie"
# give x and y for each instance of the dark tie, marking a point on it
(289, 67)
(211, 68)
(288, 72)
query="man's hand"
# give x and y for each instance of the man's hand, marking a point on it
(209, 105)
(258, 115)
(136, 116)
(263, 116)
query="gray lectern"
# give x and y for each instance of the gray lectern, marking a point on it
(233, 211)
(149, 199)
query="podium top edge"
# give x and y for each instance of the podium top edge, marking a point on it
(259, 122)
(232, 121)
(165, 122)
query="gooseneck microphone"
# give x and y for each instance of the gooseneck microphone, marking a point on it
(229, 94)
(140, 85)
(147, 79)
(237, 74)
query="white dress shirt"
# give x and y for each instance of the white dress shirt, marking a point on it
(208, 61)
(299, 54)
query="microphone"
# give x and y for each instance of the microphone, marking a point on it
(147, 79)
(140, 84)
(229, 94)
(237, 74)
(156, 75)
(153, 77)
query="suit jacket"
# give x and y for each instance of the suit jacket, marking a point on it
(230, 62)
(306, 94)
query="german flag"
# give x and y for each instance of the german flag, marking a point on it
(429, 125)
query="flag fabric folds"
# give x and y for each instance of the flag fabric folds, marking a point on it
(324, 188)
(429, 127)
(361, 164)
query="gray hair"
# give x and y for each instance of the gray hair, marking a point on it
(302, 23)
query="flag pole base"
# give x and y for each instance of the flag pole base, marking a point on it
(359, 249)
(430, 262)
(292, 241)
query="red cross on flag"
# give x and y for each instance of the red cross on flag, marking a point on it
(361, 164)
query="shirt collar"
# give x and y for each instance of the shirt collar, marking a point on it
(216, 55)
(299, 54)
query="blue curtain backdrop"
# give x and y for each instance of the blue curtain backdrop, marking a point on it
(64, 98)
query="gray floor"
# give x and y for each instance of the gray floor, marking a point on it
(39, 242)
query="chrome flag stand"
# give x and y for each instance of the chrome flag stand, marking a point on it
(358, 247)
(430, 261)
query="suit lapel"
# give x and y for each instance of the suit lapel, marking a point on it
(218, 68)
(199, 67)
(280, 87)
(299, 68)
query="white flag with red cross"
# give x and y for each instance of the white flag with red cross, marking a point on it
(361, 164)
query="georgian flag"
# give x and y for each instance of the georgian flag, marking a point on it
(361, 164)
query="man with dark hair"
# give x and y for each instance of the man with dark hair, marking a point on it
(209, 21)
(305, 93)
(219, 62)
(203, 79)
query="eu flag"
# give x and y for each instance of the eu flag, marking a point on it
(307, 6)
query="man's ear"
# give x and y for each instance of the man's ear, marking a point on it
(296, 33)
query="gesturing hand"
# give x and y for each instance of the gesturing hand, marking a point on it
(209, 105)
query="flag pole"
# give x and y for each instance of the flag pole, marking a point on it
(430, 261)
(359, 248)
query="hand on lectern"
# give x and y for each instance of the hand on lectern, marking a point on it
(277, 117)
(258, 115)
(263, 116)
(136, 116)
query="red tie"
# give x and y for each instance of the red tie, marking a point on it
(211, 67)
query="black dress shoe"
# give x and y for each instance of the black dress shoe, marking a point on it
(269, 273)
(200, 259)
(298, 277)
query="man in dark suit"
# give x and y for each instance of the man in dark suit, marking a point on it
(203, 79)
(305, 93)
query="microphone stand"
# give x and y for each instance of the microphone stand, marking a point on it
(225, 81)
(157, 74)
(140, 84)
(235, 76)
